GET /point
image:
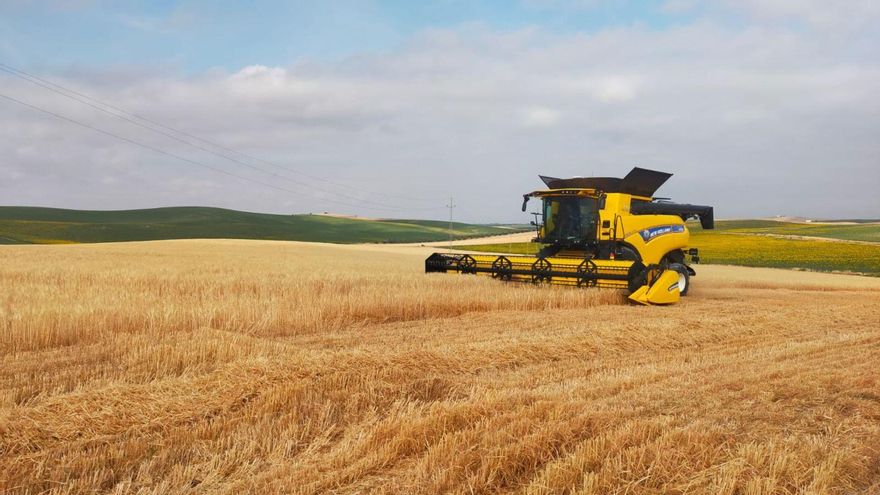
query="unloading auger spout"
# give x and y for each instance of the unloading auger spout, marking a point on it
(600, 232)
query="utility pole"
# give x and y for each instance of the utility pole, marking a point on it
(451, 205)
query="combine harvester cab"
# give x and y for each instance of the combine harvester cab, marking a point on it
(600, 232)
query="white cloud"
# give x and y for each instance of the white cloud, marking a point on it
(615, 89)
(540, 117)
(758, 120)
(261, 72)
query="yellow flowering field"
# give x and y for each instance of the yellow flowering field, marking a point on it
(755, 250)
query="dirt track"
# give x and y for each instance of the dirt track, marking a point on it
(495, 239)
(236, 366)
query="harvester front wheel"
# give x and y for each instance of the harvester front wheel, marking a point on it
(684, 277)
(637, 276)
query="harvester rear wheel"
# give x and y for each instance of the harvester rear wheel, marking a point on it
(684, 277)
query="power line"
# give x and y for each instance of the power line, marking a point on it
(129, 117)
(46, 83)
(178, 157)
(176, 138)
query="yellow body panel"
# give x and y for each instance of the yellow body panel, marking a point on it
(655, 248)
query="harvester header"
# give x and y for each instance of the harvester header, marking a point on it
(600, 232)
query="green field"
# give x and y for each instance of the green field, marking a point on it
(30, 225)
(869, 232)
(735, 243)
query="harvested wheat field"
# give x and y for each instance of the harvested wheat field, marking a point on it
(264, 367)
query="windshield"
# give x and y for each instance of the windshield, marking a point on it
(569, 220)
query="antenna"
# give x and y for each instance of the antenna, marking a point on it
(451, 205)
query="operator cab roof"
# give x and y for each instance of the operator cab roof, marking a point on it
(639, 182)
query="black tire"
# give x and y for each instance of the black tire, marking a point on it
(684, 277)
(676, 256)
(637, 276)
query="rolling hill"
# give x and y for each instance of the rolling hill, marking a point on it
(34, 225)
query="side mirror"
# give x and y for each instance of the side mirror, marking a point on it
(533, 223)
(525, 201)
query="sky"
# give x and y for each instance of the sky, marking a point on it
(388, 109)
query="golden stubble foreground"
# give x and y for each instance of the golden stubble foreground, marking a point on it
(239, 366)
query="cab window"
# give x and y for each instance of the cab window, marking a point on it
(570, 219)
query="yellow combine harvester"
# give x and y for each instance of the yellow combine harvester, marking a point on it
(600, 232)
